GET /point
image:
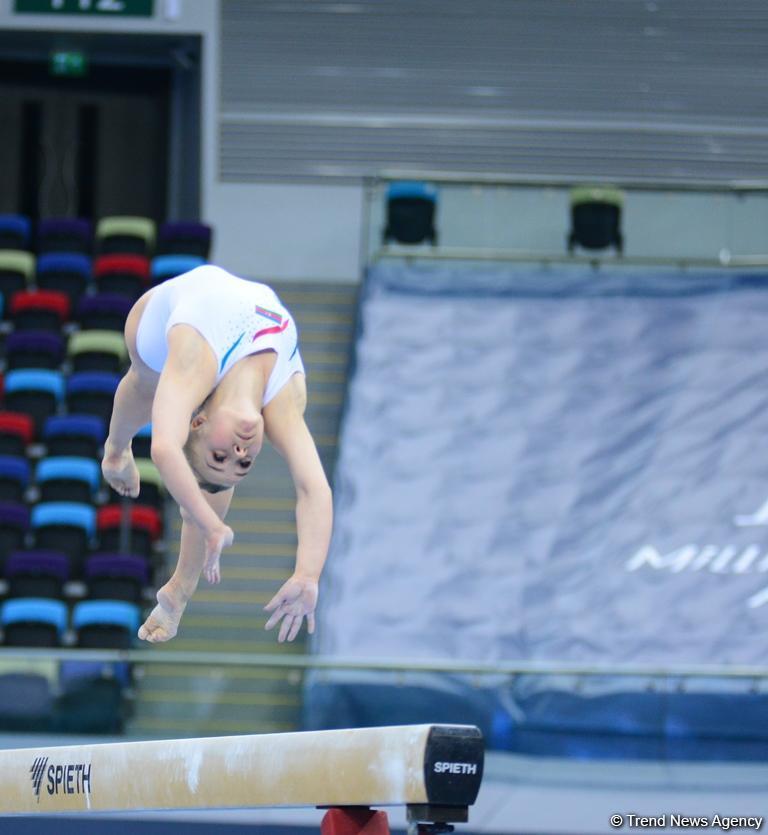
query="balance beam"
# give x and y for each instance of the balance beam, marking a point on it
(434, 770)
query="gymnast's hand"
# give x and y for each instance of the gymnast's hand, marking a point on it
(216, 539)
(296, 600)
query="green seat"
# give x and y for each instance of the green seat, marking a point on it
(596, 218)
(126, 234)
(97, 350)
(16, 271)
(152, 487)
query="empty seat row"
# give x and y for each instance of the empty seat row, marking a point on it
(86, 350)
(122, 234)
(74, 528)
(62, 478)
(73, 697)
(50, 310)
(41, 393)
(39, 573)
(38, 621)
(74, 273)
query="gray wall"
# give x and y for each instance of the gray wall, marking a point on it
(301, 98)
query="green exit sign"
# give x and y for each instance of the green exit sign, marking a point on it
(68, 63)
(112, 8)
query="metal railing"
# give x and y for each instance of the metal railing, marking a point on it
(511, 667)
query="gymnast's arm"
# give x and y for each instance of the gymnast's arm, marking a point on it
(192, 555)
(188, 376)
(287, 431)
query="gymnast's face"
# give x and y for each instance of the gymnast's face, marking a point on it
(222, 446)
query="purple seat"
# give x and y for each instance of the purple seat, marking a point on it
(14, 523)
(34, 349)
(52, 563)
(103, 311)
(116, 577)
(117, 565)
(37, 573)
(184, 238)
(64, 234)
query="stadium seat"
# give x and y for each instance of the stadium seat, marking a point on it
(411, 213)
(78, 435)
(44, 310)
(169, 266)
(91, 704)
(103, 311)
(64, 234)
(105, 624)
(34, 349)
(14, 478)
(125, 275)
(91, 393)
(142, 442)
(144, 525)
(184, 238)
(68, 479)
(26, 703)
(36, 573)
(95, 350)
(125, 234)
(64, 272)
(36, 392)
(17, 431)
(33, 622)
(16, 272)
(14, 524)
(152, 490)
(596, 218)
(116, 577)
(73, 673)
(64, 526)
(15, 232)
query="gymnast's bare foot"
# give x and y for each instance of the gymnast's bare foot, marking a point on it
(120, 471)
(163, 621)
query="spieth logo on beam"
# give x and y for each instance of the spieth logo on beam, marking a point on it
(74, 778)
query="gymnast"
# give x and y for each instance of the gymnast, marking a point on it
(215, 366)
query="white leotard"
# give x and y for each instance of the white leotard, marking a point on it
(235, 317)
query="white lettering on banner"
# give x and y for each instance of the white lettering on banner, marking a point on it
(456, 768)
(756, 519)
(728, 559)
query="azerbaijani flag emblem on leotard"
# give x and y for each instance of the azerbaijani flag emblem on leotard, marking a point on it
(269, 314)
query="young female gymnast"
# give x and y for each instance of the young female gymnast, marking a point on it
(215, 365)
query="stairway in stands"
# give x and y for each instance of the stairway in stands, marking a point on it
(173, 700)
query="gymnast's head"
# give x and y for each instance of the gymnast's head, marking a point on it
(222, 444)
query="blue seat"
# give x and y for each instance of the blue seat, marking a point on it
(67, 272)
(68, 514)
(102, 624)
(15, 232)
(164, 267)
(77, 435)
(411, 207)
(31, 609)
(142, 442)
(26, 702)
(36, 392)
(68, 478)
(92, 393)
(64, 526)
(14, 477)
(106, 613)
(35, 379)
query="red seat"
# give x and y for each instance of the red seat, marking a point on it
(17, 431)
(127, 275)
(40, 309)
(145, 527)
